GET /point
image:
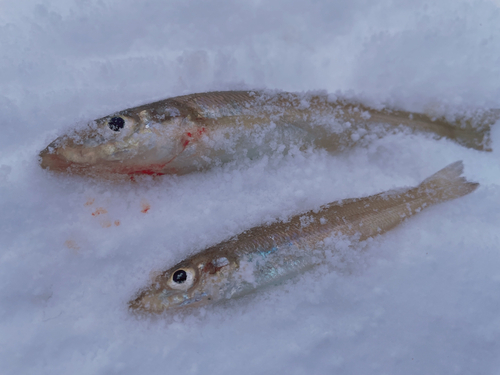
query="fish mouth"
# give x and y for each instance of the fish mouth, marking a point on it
(52, 160)
(66, 157)
(81, 161)
(157, 302)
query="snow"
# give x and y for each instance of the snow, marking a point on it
(422, 299)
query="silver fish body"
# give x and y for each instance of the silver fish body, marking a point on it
(269, 254)
(194, 132)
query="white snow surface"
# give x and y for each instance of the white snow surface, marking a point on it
(421, 299)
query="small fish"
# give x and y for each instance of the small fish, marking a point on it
(269, 254)
(194, 132)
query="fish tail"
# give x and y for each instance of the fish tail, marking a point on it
(447, 184)
(475, 132)
(475, 138)
(471, 131)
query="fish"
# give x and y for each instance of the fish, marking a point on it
(195, 132)
(270, 254)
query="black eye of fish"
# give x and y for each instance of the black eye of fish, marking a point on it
(179, 276)
(116, 123)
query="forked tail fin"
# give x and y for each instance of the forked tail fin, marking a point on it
(447, 184)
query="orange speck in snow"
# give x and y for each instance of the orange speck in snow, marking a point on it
(70, 244)
(145, 206)
(99, 211)
(106, 224)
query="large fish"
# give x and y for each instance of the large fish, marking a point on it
(193, 132)
(269, 254)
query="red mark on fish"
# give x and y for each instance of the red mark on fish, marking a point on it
(160, 169)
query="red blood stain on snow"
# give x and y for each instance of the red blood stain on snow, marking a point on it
(89, 202)
(145, 206)
(106, 224)
(103, 220)
(99, 211)
(70, 244)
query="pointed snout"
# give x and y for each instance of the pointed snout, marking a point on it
(148, 301)
(51, 159)
(65, 155)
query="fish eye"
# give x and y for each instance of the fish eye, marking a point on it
(179, 276)
(116, 123)
(182, 278)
